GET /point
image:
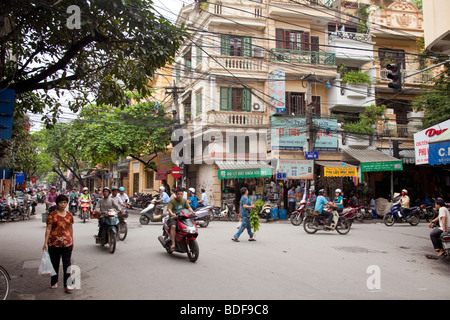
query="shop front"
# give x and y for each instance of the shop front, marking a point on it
(237, 174)
(376, 171)
(337, 175)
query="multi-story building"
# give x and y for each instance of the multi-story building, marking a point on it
(255, 74)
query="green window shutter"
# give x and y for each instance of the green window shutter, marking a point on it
(225, 45)
(247, 46)
(225, 98)
(246, 100)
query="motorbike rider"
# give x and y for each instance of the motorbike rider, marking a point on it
(192, 198)
(12, 202)
(174, 206)
(404, 201)
(320, 202)
(338, 202)
(104, 205)
(164, 199)
(444, 226)
(73, 194)
(51, 198)
(204, 200)
(122, 195)
(117, 199)
(28, 196)
(85, 196)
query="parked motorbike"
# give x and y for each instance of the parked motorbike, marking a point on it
(204, 215)
(315, 221)
(148, 213)
(298, 215)
(265, 211)
(85, 210)
(73, 206)
(406, 215)
(6, 215)
(228, 211)
(427, 212)
(365, 212)
(109, 226)
(185, 238)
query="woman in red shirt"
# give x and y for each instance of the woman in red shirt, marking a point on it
(59, 239)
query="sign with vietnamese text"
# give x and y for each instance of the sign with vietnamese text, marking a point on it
(422, 138)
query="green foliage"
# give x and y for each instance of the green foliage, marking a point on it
(366, 120)
(254, 218)
(118, 47)
(356, 77)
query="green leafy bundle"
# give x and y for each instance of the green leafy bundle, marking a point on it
(254, 218)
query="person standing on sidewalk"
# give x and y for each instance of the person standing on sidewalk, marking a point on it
(245, 214)
(59, 240)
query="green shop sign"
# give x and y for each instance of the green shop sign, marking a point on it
(381, 166)
(245, 173)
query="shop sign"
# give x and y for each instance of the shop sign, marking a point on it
(439, 153)
(295, 169)
(340, 171)
(288, 133)
(422, 138)
(381, 166)
(162, 174)
(277, 91)
(311, 155)
(245, 173)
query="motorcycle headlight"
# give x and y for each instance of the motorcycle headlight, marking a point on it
(191, 230)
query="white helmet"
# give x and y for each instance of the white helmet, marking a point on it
(338, 190)
(192, 190)
(162, 188)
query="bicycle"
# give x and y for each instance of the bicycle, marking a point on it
(5, 283)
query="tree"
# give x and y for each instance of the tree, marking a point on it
(366, 120)
(116, 47)
(104, 134)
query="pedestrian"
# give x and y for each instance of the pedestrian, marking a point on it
(59, 240)
(291, 200)
(444, 225)
(245, 214)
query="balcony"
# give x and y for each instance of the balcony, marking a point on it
(421, 78)
(301, 56)
(350, 46)
(238, 63)
(236, 118)
(350, 97)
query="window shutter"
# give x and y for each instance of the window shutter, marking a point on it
(225, 98)
(287, 39)
(199, 52)
(246, 100)
(315, 44)
(305, 41)
(247, 46)
(198, 102)
(279, 38)
(225, 45)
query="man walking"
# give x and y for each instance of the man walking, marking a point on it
(245, 213)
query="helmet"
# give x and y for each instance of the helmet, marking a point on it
(338, 190)
(405, 191)
(121, 189)
(192, 190)
(114, 188)
(321, 191)
(106, 188)
(162, 188)
(85, 189)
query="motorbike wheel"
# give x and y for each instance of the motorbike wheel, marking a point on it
(112, 241)
(310, 225)
(123, 230)
(414, 220)
(296, 219)
(144, 220)
(193, 251)
(233, 216)
(343, 227)
(389, 219)
(359, 215)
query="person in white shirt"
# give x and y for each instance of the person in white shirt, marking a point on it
(122, 195)
(444, 226)
(12, 202)
(204, 200)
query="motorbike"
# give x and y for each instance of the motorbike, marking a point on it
(14, 215)
(204, 215)
(427, 212)
(148, 213)
(109, 226)
(123, 227)
(185, 238)
(51, 207)
(315, 221)
(84, 207)
(265, 211)
(73, 206)
(406, 215)
(228, 211)
(365, 212)
(298, 215)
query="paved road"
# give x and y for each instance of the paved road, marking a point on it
(284, 263)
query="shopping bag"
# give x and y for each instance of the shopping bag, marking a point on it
(46, 268)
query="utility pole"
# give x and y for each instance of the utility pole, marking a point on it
(175, 91)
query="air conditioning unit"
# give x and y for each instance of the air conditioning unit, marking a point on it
(258, 105)
(258, 52)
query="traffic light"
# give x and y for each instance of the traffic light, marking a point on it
(396, 76)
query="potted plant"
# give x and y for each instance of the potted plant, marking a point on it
(356, 77)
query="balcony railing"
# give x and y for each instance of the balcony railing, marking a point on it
(425, 77)
(396, 130)
(236, 118)
(332, 36)
(301, 56)
(239, 63)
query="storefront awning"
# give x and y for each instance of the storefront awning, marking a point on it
(372, 160)
(243, 169)
(439, 149)
(338, 169)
